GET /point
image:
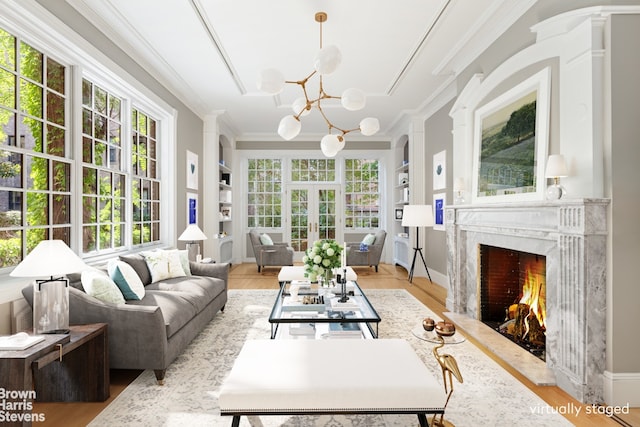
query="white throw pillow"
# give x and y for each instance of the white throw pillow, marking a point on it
(163, 264)
(184, 260)
(369, 239)
(100, 286)
(265, 239)
(126, 278)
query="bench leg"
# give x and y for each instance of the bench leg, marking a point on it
(236, 421)
(422, 419)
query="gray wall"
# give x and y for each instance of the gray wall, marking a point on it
(624, 191)
(189, 125)
(438, 137)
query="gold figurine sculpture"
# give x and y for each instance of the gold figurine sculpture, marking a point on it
(449, 370)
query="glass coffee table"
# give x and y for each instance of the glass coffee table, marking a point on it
(317, 313)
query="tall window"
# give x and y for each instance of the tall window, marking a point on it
(35, 170)
(313, 170)
(146, 183)
(264, 207)
(103, 178)
(362, 195)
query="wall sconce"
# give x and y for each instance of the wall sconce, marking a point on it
(556, 169)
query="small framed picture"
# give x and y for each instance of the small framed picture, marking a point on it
(399, 213)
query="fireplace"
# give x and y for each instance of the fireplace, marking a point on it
(513, 296)
(570, 234)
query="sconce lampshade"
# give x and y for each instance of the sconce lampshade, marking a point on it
(417, 216)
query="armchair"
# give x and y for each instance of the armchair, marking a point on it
(370, 258)
(270, 254)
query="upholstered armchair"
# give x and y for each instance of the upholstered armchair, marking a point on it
(355, 257)
(269, 253)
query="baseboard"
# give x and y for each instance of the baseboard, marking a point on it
(621, 389)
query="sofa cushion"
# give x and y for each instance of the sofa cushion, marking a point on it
(126, 278)
(177, 308)
(139, 265)
(163, 264)
(100, 286)
(203, 287)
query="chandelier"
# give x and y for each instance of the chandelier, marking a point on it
(326, 61)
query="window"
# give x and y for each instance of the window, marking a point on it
(313, 170)
(35, 169)
(146, 185)
(362, 196)
(264, 207)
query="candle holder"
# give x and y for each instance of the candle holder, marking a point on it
(343, 283)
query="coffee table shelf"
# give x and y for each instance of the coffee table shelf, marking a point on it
(362, 313)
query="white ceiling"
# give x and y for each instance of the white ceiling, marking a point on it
(401, 53)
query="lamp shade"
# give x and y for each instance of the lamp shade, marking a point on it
(192, 233)
(458, 184)
(369, 126)
(353, 99)
(299, 106)
(417, 216)
(556, 166)
(289, 127)
(50, 258)
(330, 145)
(327, 59)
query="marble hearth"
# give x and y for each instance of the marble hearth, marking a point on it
(571, 234)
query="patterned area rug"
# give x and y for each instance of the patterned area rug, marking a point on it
(488, 396)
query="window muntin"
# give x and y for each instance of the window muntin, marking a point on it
(313, 170)
(264, 198)
(362, 194)
(35, 169)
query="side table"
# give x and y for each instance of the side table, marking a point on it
(62, 368)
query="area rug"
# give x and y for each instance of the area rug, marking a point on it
(488, 396)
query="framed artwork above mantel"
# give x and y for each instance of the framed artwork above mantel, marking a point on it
(511, 138)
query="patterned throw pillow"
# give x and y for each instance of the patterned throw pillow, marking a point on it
(126, 278)
(100, 286)
(184, 260)
(163, 264)
(265, 239)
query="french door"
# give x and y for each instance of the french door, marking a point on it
(313, 210)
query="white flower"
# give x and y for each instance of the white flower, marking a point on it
(330, 251)
(317, 259)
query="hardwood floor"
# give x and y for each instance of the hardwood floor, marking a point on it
(246, 276)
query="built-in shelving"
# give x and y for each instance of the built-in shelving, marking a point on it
(224, 243)
(401, 198)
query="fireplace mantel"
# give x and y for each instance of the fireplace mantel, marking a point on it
(571, 234)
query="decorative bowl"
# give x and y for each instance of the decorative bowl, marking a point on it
(428, 324)
(445, 329)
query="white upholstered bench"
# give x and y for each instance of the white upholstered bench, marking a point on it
(296, 272)
(342, 376)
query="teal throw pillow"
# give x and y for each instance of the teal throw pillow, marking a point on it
(127, 280)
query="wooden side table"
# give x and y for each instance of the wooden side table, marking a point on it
(62, 368)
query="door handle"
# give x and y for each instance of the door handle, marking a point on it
(310, 227)
(316, 227)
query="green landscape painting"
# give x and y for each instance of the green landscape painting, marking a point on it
(508, 149)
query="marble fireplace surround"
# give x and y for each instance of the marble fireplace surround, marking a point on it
(571, 234)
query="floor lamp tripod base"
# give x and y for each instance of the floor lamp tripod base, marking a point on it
(417, 250)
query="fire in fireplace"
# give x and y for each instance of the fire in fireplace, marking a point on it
(513, 296)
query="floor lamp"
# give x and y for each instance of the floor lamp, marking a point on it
(417, 216)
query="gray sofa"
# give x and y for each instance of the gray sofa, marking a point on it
(152, 332)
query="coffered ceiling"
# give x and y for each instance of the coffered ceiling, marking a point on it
(401, 53)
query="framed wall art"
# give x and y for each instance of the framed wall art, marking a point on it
(440, 170)
(399, 214)
(192, 170)
(192, 208)
(511, 136)
(439, 203)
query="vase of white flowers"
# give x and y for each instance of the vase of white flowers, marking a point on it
(321, 258)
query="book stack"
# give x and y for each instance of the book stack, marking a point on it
(345, 330)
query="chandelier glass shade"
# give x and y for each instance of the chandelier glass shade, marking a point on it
(327, 60)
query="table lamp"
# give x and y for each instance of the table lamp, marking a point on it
(192, 235)
(52, 258)
(556, 169)
(417, 216)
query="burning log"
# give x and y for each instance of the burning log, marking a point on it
(526, 326)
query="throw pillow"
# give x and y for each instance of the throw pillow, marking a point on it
(184, 261)
(163, 265)
(369, 239)
(126, 279)
(265, 239)
(100, 286)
